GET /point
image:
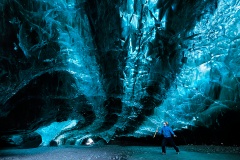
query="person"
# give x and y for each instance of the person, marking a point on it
(167, 133)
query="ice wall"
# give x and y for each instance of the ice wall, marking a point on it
(207, 88)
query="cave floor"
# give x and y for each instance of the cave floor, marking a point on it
(115, 152)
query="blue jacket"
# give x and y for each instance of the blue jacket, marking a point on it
(166, 131)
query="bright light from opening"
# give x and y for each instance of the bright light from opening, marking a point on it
(89, 142)
(49, 132)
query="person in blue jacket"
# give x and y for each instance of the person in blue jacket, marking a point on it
(167, 133)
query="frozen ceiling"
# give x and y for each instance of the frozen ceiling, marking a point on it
(75, 69)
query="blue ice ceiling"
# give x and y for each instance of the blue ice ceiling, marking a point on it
(78, 69)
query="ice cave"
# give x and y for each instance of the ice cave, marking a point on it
(78, 72)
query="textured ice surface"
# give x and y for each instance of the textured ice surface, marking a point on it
(117, 68)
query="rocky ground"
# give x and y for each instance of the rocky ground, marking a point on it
(211, 149)
(116, 152)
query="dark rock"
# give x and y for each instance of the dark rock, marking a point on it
(53, 143)
(31, 140)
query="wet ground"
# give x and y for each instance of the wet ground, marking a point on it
(115, 152)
